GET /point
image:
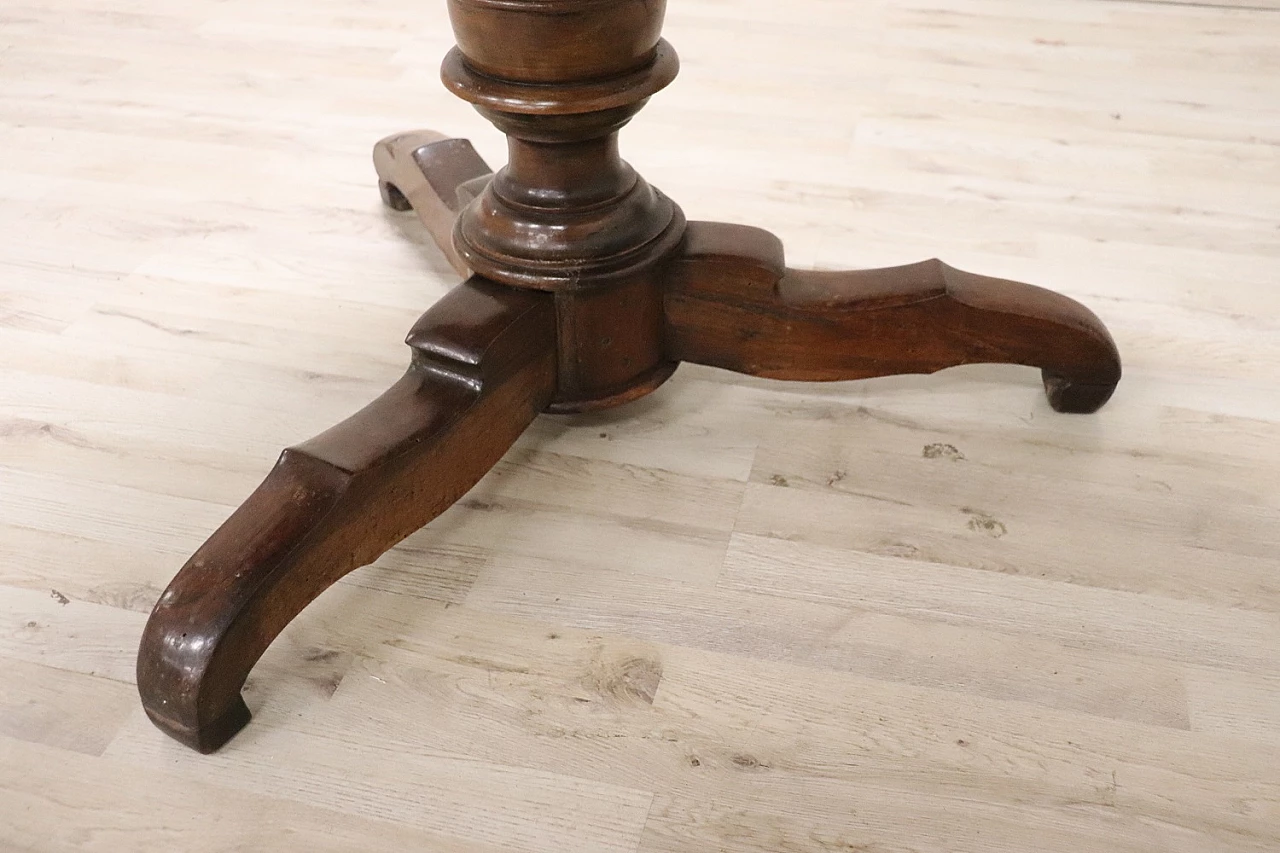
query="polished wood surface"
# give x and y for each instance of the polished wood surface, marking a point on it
(732, 303)
(483, 367)
(901, 613)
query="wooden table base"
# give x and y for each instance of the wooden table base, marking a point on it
(584, 288)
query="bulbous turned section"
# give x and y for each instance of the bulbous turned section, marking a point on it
(563, 216)
(510, 39)
(560, 78)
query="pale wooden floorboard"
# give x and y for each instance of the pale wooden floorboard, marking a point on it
(907, 614)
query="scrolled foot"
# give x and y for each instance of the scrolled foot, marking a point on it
(483, 367)
(433, 175)
(1074, 397)
(731, 302)
(392, 197)
(204, 729)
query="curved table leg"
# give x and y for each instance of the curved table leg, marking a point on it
(433, 175)
(732, 303)
(483, 367)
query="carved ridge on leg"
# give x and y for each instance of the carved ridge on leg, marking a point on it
(483, 367)
(433, 175)
(731, 302)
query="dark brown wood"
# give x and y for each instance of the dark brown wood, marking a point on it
(732, 303)
(566, 212)
(556, 41)
(483, 367)
(586, 289)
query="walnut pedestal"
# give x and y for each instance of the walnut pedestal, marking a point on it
(583, 288)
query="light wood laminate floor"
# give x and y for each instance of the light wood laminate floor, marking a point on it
(910, 614)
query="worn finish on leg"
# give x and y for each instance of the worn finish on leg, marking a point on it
(483, 367)
(732, 303)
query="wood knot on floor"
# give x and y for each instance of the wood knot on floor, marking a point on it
(626, 678)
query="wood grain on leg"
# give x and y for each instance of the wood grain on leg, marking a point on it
(433, 175)
(732, 303)
(483, 367)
